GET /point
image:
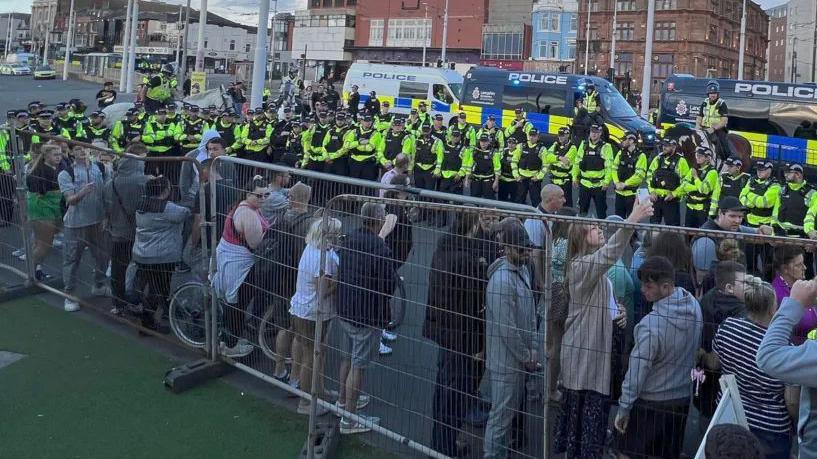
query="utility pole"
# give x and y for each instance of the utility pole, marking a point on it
(69, 41)
(425, 35)
(587, 39)
(178, 39)
(48, 22)
(8, 39)
(646, 78)
(202, 25)
(185, 44)
(123, 68)
(794, 60)
(259, 64)
(272, 44)
(611, 72)
(132, 54)
(445, 32)
(814, 49)
(742, 41)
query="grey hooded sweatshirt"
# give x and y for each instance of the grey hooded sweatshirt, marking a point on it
(795, 365)
(122, 195)
(189, 176)
(159, 232)
(666, 342)
(510, 315)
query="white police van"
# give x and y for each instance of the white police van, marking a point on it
(404, 87)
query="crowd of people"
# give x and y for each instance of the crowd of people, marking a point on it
(629, 315)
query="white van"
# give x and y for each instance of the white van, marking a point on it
(404, 87)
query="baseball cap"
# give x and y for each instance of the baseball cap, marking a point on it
(398, 121)
(421, 104)
(386, 103)
(414, 111)
(171, 106)
(194, 108)
(794, 167)
(161, 111)
(669, 142)
(564, 130)
(22, 114)
(98, 114)
(596, 127)
(515, 235)
(705, 151)
(61, 106)
(533, 131)
(484, 138)
(456, 133)
(631, 134)
(731, 203)
(35, 103)
(287, 109)
(512, 140)
(491, 118)
(438, 116)
(259, 111)
(45, 114)
(367, 118)
(425, 127)
(764, 165)
(518, 111)
(131, 112)
(461, 114)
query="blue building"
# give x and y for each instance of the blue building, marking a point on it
(555, 28)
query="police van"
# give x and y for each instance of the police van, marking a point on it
(766, 114)
(404, 87)
(548, 100)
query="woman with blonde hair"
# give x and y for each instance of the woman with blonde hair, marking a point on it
(586, 353)
(768, 403)
(44, 203)
(314, 299)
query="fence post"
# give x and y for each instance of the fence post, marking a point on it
(21, 188)
(547, 246)
(211, 315)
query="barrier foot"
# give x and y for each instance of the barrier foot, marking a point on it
(327, 436)
(192, 374)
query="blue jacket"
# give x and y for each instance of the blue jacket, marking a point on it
(366, 279)
(795, 365)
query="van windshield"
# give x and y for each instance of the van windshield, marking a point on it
(614, 104)
(456, 88)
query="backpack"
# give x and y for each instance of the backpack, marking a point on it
(278, 255)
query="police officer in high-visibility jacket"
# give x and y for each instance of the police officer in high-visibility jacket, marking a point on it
(190, 131)
(427, 157)
(336, 144)
(699, 184)
(509, 171)
(230, 131)
(363, 150)
(314, 153)
(594, 160)
(438, 129)
(628, 173)
(96, 130)
(485, 168)
(494, 132)
(591, 99)
(730, 183)
(395, 140)
(559, 159)
(159, 89)
(6, 174)
(531, 168)
(454, 165)
(664, 177)
(760, 195)
(256, 135)
(519, 127)
(789, 215)
(382, 120)
(126, 131)
(160, 138)
(713, 118)
(468, 132)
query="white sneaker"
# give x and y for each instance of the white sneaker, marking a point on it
(18, 253)
(108, 271)
(304, 409)
(362, 402)
(102, 290)
(347, 426)
(242, 348)
(384, 349)
(389, 337)
(70, 305)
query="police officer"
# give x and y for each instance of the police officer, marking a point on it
(796, 197)
(628, 172)
(395, 141)
(159, 89)
(256, 136)
(509, 171)
(280, 134)
(485, 168)
(314, 153)
(35, 107)
(428, 152)
(126, 131)
(559, 160)
(423, 115)
(294, 152)
(6, 174)
(172, 115)
(594, 159)
(519, 127)
(372, 105)
(730, 183)
(468, 133)
(44, 125)
(336, 144)
(77, 111)
(714, 116)
(160, 138)
(664, 183)
(382, 122)
(760, 195)
(531, 170)
(438, 129)
(698, 185)
(353, 102)
(412, 124)
(591, 99)
(96, 130)
(454, 164)
(190, 130)
(363, 150)
(494, 132)
(230, 131)
(63, 118)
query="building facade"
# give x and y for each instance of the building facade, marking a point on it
(776, 69)
(697, 37)
(398, 32)
(18, 25)
(322, 37)
(43, 13)
(506, 37)
(801, 41)
(555, 28)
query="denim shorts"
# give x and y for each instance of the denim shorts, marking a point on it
(360, 344)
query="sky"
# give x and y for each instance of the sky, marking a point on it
(246, 11)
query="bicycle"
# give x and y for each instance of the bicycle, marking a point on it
(186, 313)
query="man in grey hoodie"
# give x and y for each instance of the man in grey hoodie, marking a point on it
(121, 197)
(795, 365)
(511, 344)
(656, 390)
(189, 177)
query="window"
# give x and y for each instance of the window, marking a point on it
(442, 93)
(549, 22)
(409, 33)
(553, 50)
(665, 4)
(205, 43)
(327, 3)
(663, 65)
(247, 48)
(625, 5)
(315, 3)
(571, 49)
(664, 31)
(500, 45)
(534, 99)
(624, 63)
(594, 5)
(574, 22)
(624, 30)
(412, 90)
(376, 32)
(232, 45)
(338, 3)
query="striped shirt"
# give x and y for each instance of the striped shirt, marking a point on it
(736, 344)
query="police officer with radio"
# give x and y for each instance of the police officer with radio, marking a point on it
(494, 132)
(336, 144)
(594, 160)
(628, 172)
(469, 134)
(730, 183)
(438, 129)
(713, 118)
(519, 127)
(454, 164)
(789, 215)
(428, 154)
(126, 131)
(395, 141)
(531, 168)
(363, 150)
(760, 195)
(699, 184)
(559, 159)
(509, 171)
(484, 170)
(159, 89)
(664, 183)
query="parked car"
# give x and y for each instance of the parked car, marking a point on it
(44, 72)
(20, 69)
(5, 69)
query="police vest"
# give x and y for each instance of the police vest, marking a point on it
(519, 134)
(558, 169)
(294, 148)
(363, 155)
(281, 134)
(592, 161)
(394, 145)
(440, 134)
(227, 133)
(492, 133)
(530, 160)
(452, 157)
(160, 92)
(318, 135)
(483, 163)
(257, 130)
(710, 113)
(759, 188)
(130, 131)
(506, 163)
(793, 205)
(335, 139)
(696, 197)
(68, 123)
(627, 161)
(665, 176)
(168, 140)
(388, 117)
(591, 101)
(424, 151)
(194, 127)
(92, 133)
(732, 186)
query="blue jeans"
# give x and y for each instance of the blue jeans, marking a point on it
(775, 445)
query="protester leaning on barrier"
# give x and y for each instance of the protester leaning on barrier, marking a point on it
(44, 201)
(794, 365)
(210, 147)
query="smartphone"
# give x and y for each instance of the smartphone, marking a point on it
(643, 194)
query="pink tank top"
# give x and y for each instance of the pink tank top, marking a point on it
(232, 236)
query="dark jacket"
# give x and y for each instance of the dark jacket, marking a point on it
(366, 279)
(354, 102)
(455, 317)
(129, 185)
(400, 240)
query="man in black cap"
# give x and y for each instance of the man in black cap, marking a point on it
(412, 123)
(509, 171)
(280, 134)
(172, 115)
(229, 129)
(336, 145)
(699, 185)
(294, 152)
(627, 173)
(760, 195)
(106, 96)
(363, 150)
(96, 130)
(531, 169)
(594, 160)
(422, 114)
(314, 152)
(453, 167)
(789, 215)
(428, 153)
(664, 183)
(469, 134)
(494, 132)
(160, 138)
(190, 131)
(6, 174)
(382, 121)
(559, 160)
(126, 131)
(256, 136)
(45, 125)
(34, 108)
(438, 129)
(519, 127)
(77, 110)
(484, 169)
(353, 101)
(372, 105)
(395, 141)
(63, 119)
(730, 182)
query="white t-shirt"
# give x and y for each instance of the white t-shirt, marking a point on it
(304, 303)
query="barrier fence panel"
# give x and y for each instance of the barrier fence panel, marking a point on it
(101, 225)
(14, 239)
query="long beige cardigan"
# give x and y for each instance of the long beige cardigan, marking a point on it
(588, 338)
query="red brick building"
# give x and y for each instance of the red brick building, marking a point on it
(778, 22)
(395, 31)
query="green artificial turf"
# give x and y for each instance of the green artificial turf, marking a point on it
(85, 392)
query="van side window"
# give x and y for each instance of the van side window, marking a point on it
(442, 94)
(533, 99)
(413, 90)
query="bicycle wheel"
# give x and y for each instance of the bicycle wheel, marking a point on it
(186, 314)
(266, 333)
